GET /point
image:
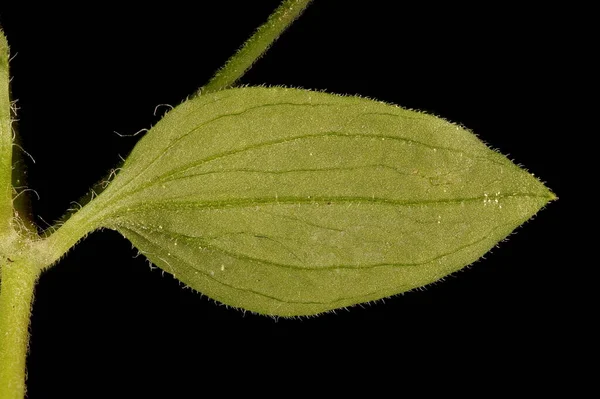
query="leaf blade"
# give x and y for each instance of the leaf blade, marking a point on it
(291, 202)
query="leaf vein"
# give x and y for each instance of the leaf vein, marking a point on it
(269, 201)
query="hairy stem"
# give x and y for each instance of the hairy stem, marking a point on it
(6, 209)
(256, 46)
(16, 294)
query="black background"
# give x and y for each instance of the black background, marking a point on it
(104, 324)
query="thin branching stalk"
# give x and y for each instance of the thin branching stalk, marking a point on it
(256, 46)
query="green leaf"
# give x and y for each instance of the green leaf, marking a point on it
(290, 202)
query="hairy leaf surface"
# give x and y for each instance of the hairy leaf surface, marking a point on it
(291, 202)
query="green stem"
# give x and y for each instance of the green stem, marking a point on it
(256, 46)
(6, 210)
(16, 294)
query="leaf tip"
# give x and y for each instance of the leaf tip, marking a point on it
(550, 196)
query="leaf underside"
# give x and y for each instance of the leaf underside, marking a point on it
(290, 202)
